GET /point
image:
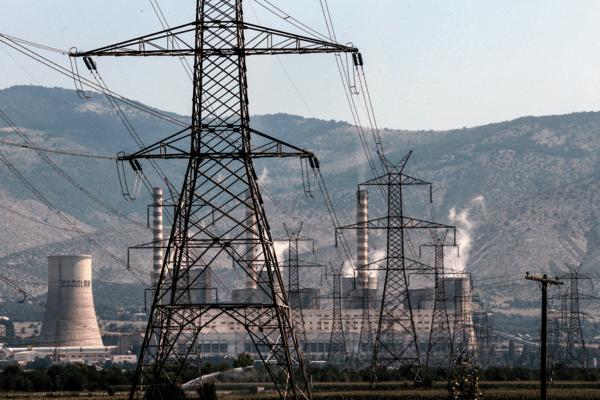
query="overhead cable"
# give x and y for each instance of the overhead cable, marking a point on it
(333, 216)
(70, 74)
(289, 19)
(97, 85)
(57, 227)
(54, 151)
(45, 201)
(39, 46)
(64, 174)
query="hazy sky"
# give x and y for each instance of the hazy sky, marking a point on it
(430, 64)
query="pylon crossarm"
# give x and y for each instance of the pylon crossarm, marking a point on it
(174, 147)
(411, 265)
(408, 223)
(302, 264)
(259, 40)
(394, 179)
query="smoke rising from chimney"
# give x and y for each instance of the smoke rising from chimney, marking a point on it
(465, 224)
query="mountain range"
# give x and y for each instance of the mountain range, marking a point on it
(522, 193)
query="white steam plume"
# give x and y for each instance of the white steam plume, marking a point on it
(280, 250)
(264, 176)
(464, 230)
(377, 256)
(347, 269)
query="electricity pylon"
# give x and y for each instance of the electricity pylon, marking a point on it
(366, 341)
(484, 346)
(211, 222)
(559, 326)
(293, 263)
(396, 342)
(338, 354)
(440, 352)
(575, 354)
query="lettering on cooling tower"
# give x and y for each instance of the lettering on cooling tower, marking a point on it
(78, 283)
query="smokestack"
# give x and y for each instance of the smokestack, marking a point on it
(70, 318)
(362, 239)
(157, 228)
(251, 243)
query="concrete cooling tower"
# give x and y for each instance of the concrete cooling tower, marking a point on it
(70, 319)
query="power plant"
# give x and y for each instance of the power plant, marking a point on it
(216, 285)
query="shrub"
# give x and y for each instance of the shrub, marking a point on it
(111, 391)
(208, 391)
(464, 384)
(243, 360)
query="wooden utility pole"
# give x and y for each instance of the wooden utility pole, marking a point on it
(544, 285)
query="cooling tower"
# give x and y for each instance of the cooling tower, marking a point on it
(70, 319)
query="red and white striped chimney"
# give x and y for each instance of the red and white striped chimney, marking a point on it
(251, 243)
(362, 238)
(157, 228)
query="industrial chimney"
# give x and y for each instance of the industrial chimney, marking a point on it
(362, 239)
(157, 228)
(70, 317)
(251, 243)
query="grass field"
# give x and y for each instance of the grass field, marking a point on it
(358, 391)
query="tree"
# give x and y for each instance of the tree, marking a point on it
(40, 379)
(464, 384)
(243, 360)
(208, 391)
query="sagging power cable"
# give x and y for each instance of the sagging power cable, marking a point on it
(344, 75)
(165, 25)
(54, 226)
(48, 204)
(289, 19)
(54, 151)
(16, 45)
(284, 69)
(70, 74)
(45, 306)
(333, 216)
(64, 174)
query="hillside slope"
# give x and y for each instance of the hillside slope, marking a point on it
(522, 192)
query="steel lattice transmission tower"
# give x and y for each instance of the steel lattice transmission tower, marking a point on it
(440, 351)
(210, 223)
(366, 342)
(293, 263)
(559, 327)
(396, 341)
(484, 340)
(575, 354)
(338, 354)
